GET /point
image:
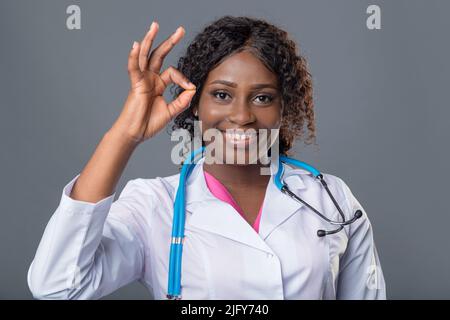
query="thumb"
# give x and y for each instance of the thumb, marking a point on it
(181, 102)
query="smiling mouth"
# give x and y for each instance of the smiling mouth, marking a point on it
(239, 137)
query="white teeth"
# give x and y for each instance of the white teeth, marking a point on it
(237, 136)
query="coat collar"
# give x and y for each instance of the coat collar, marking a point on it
(221, 218)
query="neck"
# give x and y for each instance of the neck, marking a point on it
(233, 175)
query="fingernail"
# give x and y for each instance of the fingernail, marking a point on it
(153, 25)
(134, 44)
(190, 85)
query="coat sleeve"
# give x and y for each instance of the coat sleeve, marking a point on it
(360, 274)
(88, 250)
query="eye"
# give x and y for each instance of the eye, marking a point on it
(266, 98)
(261, 99)
(221, 95)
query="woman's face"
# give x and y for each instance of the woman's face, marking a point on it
(239, 94)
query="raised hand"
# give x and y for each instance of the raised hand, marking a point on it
(145, 111)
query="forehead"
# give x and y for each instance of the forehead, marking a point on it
(243, 68)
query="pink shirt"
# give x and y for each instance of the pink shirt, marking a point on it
(220, 192)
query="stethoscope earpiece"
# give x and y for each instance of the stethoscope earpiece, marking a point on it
(321, 233)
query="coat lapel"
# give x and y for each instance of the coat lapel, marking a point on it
(204, 211)
(277, 206)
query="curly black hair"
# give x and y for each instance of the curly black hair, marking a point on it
(229, 35)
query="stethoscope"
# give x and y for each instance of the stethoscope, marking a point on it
(176, 246)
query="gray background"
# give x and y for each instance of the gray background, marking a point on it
(381, 104)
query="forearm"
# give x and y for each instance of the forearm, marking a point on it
(101, 174)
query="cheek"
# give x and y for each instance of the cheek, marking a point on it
(210, 118)
(210, 114)
(270, 117)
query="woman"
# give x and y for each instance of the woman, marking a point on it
(244, 238)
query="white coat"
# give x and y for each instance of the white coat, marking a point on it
(89, 250)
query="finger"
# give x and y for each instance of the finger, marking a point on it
(173, 75)
(133, 64)
(180, 103)
(146, 45)
(157, 56)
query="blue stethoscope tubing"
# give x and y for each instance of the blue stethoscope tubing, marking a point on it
(176, 245)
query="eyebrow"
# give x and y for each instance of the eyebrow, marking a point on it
(255, 86)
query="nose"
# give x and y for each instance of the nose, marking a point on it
(241, 114)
